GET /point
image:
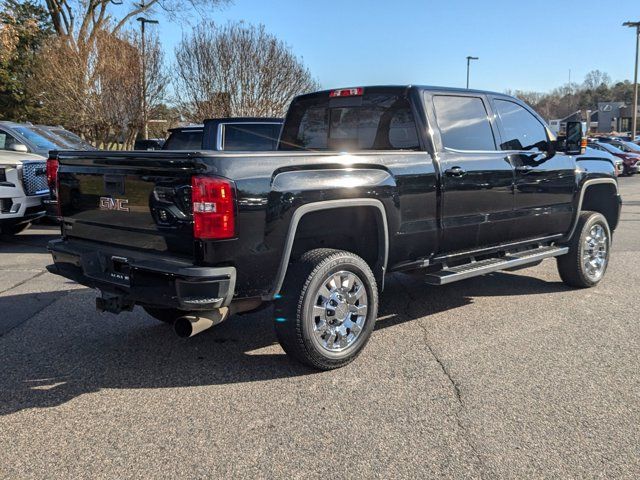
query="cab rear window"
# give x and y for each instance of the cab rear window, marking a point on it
(184, 140)
(376, 121)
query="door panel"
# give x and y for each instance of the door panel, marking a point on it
(544, 189)
(544, 182)
(477, 178)
(478, 199)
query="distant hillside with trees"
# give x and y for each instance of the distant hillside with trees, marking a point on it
(562, 101)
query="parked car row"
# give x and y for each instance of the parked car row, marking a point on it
(626, 152)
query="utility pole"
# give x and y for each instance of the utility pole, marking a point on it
(145, 121)
(468, 63)
(635, 25)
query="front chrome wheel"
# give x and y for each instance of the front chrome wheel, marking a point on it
(586, 262)
(340, 311)
(595, 252)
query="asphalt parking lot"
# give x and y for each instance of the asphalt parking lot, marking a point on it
(508, 376)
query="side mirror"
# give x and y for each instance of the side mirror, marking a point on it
(19, 147)
(575, 143)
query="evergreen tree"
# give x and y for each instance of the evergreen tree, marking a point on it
(24, 26)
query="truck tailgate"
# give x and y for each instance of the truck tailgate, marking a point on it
(130, 199)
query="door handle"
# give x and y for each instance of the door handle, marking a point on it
(454, 172)
(524, 168)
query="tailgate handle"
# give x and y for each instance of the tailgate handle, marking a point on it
(114, 184)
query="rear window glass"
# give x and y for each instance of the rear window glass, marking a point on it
(463, 123)
(184, 140)
(239, 136)
(376, 121)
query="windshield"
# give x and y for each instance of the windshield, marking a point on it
(610, 148)
(373, 121)
(39, 139)
(184, 140)
(71, 139)
(628, 147)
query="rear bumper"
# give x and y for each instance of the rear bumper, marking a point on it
(142, 278)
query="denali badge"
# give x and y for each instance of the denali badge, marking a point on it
(108, 203)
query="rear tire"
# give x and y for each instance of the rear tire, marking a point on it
(327, 309)
(586, 263)
(165, 315)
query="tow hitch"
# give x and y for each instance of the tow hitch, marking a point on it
(113, 303)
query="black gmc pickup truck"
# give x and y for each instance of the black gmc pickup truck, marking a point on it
(366, 181)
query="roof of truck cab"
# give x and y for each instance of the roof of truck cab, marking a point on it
(245, 119)
(426, 88)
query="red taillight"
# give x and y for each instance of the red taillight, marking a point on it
(347, 92)
(52, 174)
(213, 208)
(52, 181)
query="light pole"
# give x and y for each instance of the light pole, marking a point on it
(468, 63)
(145, 126)
(635, 25)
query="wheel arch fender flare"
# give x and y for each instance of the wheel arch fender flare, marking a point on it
(580, 200)
(383, 231)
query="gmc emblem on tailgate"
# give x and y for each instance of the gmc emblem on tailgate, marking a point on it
(119, 204)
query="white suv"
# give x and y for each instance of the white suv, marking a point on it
(23, 187)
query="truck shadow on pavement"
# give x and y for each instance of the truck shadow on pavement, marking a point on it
(69, 349)
(28, 242)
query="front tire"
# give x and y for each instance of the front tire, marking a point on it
(327, 309)
(589, 248)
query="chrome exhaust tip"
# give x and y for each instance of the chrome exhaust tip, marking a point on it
(190, 325)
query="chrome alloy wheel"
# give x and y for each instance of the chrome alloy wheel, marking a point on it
(339, 311)
(595, 250)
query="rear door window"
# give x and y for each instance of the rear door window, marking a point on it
(463, 123)
(375, 121)
(521, 130)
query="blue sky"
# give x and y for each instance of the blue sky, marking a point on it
(526, 45)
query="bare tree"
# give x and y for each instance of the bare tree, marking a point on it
(595, 79)
(79, 21)
(97, 91)
(237, 70)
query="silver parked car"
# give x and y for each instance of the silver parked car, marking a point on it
(38, 139)
(23, 189)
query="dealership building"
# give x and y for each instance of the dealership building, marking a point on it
(614, 117)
